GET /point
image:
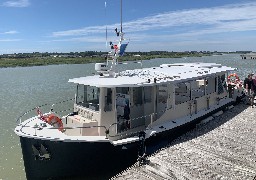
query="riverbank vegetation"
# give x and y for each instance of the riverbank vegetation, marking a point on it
(40, 59)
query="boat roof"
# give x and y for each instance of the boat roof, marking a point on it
(177, 72)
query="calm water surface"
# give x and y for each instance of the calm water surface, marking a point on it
(23, 88)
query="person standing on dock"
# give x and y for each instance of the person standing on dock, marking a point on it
(249, 86)
(254, 89)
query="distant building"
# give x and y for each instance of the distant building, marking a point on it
(249, 56)
(54, 55)
(243, 52)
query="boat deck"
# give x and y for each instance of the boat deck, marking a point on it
(223, 148)
(32, 128)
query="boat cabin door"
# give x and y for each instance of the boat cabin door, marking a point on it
(161, 101)
(123, 111)
(129, 108)
(137, 107)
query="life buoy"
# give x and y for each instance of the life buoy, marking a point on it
(51, 119)
(55, 121)
(233, 78)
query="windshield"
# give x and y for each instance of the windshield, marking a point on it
(88, 96)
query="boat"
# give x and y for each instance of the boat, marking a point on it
(117, 116)
(248, 56)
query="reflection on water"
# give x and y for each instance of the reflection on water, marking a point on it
(26, 87)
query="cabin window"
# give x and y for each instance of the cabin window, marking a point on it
(109, 96)
(182, 92)
(210, 85)
(122, 90)
(147, 94)
(162, 93)
(80, 94)
(198, 88)
(88, 96)
(108, 100)
(137, 95)
(221, 84)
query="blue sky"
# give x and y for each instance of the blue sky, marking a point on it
(172, 25)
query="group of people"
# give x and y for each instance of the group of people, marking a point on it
(250, 87)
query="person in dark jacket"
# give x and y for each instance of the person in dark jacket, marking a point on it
(127, 115)
(249, 86)
(253, 90)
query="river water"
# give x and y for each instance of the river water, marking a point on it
(23, 88)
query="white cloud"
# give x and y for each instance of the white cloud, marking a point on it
(82, 39)
(10, 40)
(10, 32)
(236, 17)
(17, 3)
(82, 31)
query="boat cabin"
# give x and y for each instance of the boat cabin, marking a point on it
(136, 99)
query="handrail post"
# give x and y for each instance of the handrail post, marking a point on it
(51, 110)
(152, 117)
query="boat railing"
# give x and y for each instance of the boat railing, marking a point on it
(125, 128)
(61, 108)
(110, 131)
(118, 130)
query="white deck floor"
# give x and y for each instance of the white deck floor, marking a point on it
(28, 129)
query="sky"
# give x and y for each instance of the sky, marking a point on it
(149, 25)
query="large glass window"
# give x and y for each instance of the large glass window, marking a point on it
(88, 96)
(122, 90)
(182, 92)
(162, 93)
(210, 85)
(80, 94)
(198, 88)
(122, 108)
(108, 100)
(148, 94)
(137, 95)
(221, 84)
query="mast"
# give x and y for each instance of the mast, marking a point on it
(121, 16)
(117, 50)
(106, 24)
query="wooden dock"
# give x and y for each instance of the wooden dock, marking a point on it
(223, 148)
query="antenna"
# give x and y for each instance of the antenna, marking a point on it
(106, 25)
(121, 16)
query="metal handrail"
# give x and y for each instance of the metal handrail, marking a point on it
(19, 119)
(127, 134)
(107, 129)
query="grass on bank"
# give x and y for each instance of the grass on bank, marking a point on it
(42, 61)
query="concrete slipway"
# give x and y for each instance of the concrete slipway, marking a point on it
(223, 148)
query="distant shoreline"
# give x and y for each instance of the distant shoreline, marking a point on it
(56, 60)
